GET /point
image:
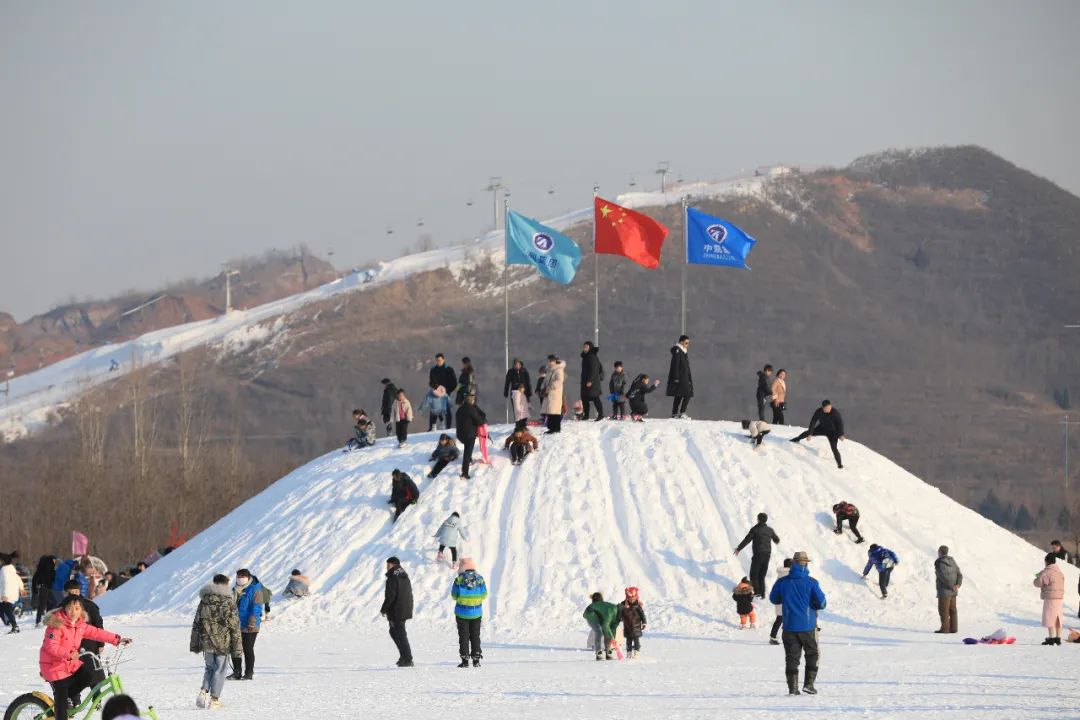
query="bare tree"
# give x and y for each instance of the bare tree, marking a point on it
(144, 418)
(191, 418)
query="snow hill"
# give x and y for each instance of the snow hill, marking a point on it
(36, 399)
(660, 505)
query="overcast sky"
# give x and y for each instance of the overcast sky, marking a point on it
(145, 142)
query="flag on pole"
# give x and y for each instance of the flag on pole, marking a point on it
(553, 254)
(80, 545)
(713, 241)
(621, 231)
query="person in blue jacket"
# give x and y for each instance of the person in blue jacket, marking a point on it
(249, 605)
(801, 597)
(884, 560)
(469, 592)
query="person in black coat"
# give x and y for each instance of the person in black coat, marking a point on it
(444, 375)
(466, 382)
(41, 585)
(403, 493)
(762, 538)
(828, 423)
(636, 396)
(592, 376)
(764, 389)
(680, 383)
(517, 375)
(469, 420)
(389, 394)
(397, 608)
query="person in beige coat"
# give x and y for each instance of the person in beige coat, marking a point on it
(1051, 584)
(779, 397)
(401, 413)
(553, 400)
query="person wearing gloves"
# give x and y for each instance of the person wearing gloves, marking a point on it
(884, 560)
(59, 661)
(215, 633)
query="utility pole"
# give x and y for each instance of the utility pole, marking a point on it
(1066, 423)
(228, 288)
(662, 169)
(494, 186)
(7, 378)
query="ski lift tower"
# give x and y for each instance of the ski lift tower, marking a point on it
(495, 184)
(7, 378)
(229, 274)
(662, 169)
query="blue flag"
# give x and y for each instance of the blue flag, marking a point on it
(712, 241)
(530, 243)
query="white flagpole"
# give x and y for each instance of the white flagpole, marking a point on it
(686, 261)
(506, 293)
(596, 273)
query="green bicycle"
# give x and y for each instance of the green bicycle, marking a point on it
(39, 706)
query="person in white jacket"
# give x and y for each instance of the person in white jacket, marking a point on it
(521, 407)
(779, 621)
(11, 587)
(758, 429)
(401, 414)
(448, 535)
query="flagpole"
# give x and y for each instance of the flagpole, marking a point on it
(596, 273)
(506, 294)
(686, 261)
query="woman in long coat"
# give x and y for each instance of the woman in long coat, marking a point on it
(1051, 584)
(554, 402)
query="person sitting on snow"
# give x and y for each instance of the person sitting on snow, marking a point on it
(758, 430)
(298, 586)
(403, 493)
(520, 443)
(364, 432)
(445, 453)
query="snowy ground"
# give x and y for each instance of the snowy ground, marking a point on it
(344, 672)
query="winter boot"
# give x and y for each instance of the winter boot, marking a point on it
(1048, 641)
(600, 655)
(14, 630)
(439, 557)
(860, 541)
(808, 682)
(203, 701)
(793, 683)
(773, 641)
(1057, 640)
(476, 660)
(464, 661)
(838, 531)
(607, 655)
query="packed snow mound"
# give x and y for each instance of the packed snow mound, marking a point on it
(660, 505)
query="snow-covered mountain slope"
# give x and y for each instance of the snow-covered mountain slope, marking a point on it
(35, 399)
(660, 505)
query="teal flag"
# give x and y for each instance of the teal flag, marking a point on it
(553, 254)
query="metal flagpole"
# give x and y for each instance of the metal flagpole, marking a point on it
(506, 292)
(686, 261)
(596, 273)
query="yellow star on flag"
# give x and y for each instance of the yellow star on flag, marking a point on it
(605, 211)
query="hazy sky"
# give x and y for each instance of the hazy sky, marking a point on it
(142, 142)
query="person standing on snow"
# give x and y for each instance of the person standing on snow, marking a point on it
(603, 619)
(445, 453)
(781, 571)
(517, 375)
(554, 402)
(448, 535)
(470, 418)
(764, 390)
(592, 375)
(442, 375)
(618, 385)
(844, 510)
(802, 598)
(884, 560)
(215, 633)
(541, 391)
(41, 584)
(397, 608)
(402, 414)
(762, 536)
(1051, 584)
(743, 595)
(466, 381)
(636, 396)
(520, 400)
(828, 423)
(632, 617)
(11, 588)
(249, 606)
(389, 393)
(1058, 551)
(437, 405)
(680, 382)
(469, 592)
(948, 580)
(779, 397)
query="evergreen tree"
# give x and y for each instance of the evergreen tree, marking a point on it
(1064, 519)
(1023, 521)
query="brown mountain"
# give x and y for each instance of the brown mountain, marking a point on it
(924, 292)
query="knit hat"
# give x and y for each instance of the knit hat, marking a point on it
(467, 564)
(631, 593)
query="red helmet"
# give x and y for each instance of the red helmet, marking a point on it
(631, 593)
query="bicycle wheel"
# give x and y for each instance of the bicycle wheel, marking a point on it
(28, 707)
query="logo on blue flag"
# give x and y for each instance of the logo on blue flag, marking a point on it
(714, 241)
(554, 255)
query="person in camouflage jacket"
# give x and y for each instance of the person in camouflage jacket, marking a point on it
(216, 634)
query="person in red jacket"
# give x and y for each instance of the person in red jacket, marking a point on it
(59, 658)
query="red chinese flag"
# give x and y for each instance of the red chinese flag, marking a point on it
(620, 231)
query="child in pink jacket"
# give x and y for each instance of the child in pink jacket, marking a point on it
(59, 659)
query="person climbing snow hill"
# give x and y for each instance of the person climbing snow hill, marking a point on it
(632, 617)
(636, 396)
(884, 560)
(403, 492)
(758, 429)
(826, 422)
(844, 510)
(603, 619)
(449, 534)
(470, 419)
(762, 536)
(743, 595)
